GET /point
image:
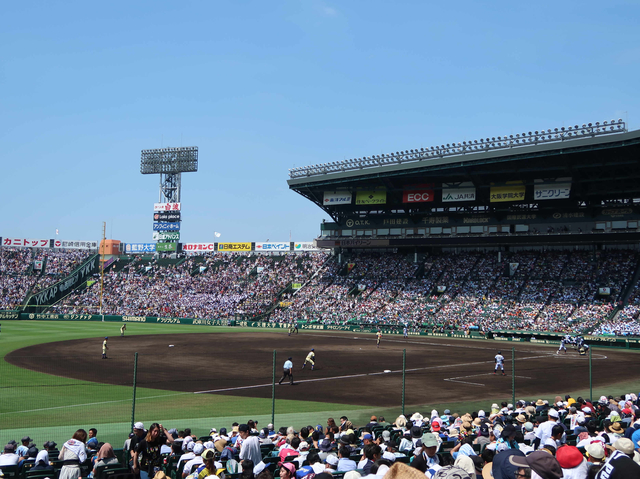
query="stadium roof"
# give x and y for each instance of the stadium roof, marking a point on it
(602, 162)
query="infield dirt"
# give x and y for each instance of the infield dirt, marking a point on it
(349, 369)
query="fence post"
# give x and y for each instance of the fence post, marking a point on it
(273, 389)
(513, 376)
(404, 369)
(135, 383)
(591, 378)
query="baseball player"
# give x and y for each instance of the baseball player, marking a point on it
(288, 371)
(310, 359)
(563, 346)
(104, 348)
(499, 363)
(123, 328)
(378, 338)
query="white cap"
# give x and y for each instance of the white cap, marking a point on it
(138, 425)
(553, 413)
(198, 449)
(332, 459)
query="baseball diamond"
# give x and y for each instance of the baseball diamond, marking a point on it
(350, 369)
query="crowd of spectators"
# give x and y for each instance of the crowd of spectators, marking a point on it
(562, 291)
(565, 437)
(26, 270)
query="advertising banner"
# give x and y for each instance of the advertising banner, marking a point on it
(165, 226)
(307, 246)
(552, 190)
(140, 248)
(204, 247)
(296, 286)
(25, 243)
(64, 244)
(234, 246)
(167, 216)
(337, 198)
(371, 197)
(166, 207)
(273, 246)
(59, 290)
(165, 247)
(172, 235)
(455, 192)
(511, 191)
(418, 193)
(37, 265)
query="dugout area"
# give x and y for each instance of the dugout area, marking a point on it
(349, 368)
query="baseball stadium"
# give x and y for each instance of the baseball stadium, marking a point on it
(438, 262)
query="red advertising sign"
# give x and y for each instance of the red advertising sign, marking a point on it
(418, 194)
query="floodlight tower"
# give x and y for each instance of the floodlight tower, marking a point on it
(169, 163)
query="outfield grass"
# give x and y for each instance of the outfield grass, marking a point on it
(51, 407)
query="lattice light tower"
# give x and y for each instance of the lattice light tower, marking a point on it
(169, 163)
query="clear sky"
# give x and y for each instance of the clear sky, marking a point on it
(261, 87)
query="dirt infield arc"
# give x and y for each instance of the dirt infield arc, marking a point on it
(349, 367)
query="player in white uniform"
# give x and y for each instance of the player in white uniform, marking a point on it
(499, 363)
(378, 338)
(563, 346)
(405, 332)
(310, 359)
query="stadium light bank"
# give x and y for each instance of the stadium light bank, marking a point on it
(587, 130)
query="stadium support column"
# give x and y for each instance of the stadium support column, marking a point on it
(273, 389)
(404, 369)
(513, 376)
(135, 382)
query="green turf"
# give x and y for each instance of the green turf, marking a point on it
(46, 406)
(51, 407)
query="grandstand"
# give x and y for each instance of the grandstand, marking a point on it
(535, 232)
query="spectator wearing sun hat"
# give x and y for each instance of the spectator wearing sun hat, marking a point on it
(595, 455)
(620, 465)
(541, 462)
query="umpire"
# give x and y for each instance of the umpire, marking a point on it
(288, 371)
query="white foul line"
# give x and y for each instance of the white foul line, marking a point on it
(358, 375)
(456, 379)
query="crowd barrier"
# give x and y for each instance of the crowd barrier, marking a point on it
(501, 335)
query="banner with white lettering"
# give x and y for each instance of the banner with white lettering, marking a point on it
(559, 189)
(25, 243)
(195, 247)
(165, 226)
(418, 193)
(273, 246)
(454, 192)
(132, 248)
(337, 198)
(59, 290)
(168, 235)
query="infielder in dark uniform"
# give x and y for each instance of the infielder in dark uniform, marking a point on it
(288, 371)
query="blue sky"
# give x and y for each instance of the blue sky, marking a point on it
(261, 87)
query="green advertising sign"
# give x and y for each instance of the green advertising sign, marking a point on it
(164, 247)
(296, 285)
